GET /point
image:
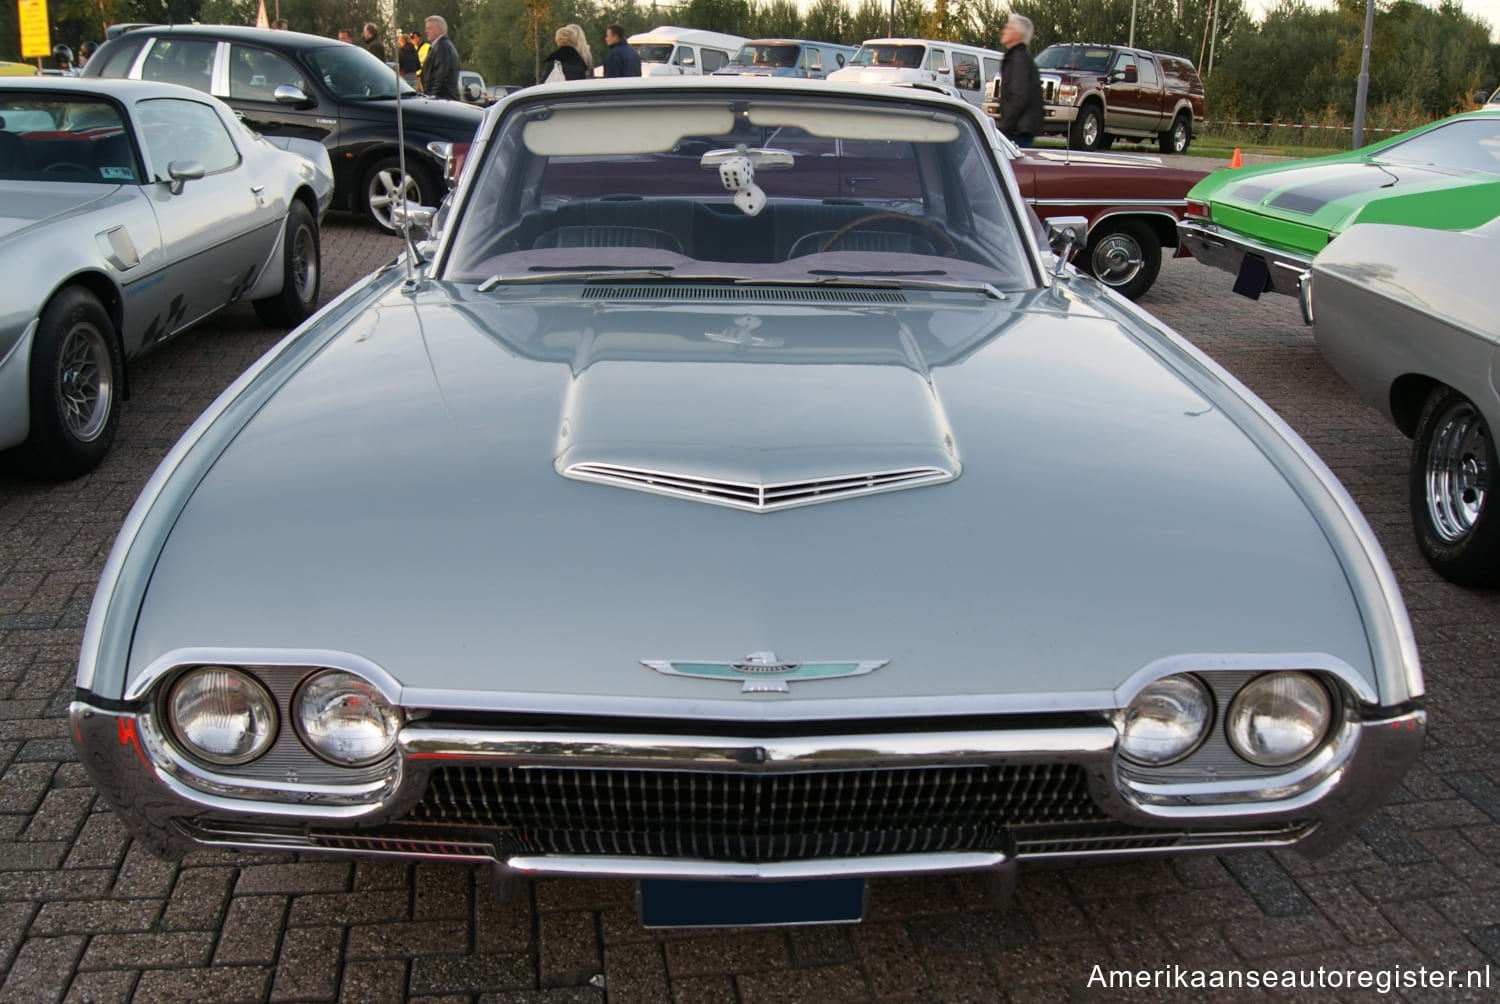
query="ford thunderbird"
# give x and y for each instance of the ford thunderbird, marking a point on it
(672, 514)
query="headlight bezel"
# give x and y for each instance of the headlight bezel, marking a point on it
(1248, 692)
(180, 734)
(368, 691)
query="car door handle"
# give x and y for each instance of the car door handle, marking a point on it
(258, 189)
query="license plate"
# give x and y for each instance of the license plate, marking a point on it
(1253, 277)
(695, 903)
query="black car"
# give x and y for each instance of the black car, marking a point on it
(288, 83)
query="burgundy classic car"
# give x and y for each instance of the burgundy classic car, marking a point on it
(1132, 204)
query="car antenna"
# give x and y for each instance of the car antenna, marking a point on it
(410, 285)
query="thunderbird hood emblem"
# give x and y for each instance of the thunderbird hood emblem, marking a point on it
(762, 672)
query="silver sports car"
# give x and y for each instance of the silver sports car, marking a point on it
(129, 212)
(745, 514)
(1408, 316)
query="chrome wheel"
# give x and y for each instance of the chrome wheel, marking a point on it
(85, 382)
(1457, 473)
(304, 264)
(384, 190)
(1116, 259)
(1090, 130)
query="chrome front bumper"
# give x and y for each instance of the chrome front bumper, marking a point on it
(172, 816)
(1225, 249)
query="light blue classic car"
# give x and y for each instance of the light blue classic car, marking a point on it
(129, 212)
(1409, 317)
(716, 506)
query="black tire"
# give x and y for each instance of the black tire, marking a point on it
(1087, 130)
(1177, 138)
(301, 272)
(74, 385)
(1125, 255)
(1453, 508)
(381, 188)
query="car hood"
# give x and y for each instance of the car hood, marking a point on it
(400, 498)
(420, 112)
(1330, 196)
(26, 207)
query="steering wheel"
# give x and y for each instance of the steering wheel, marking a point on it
(946, 247)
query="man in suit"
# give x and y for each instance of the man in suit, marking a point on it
(440, 68)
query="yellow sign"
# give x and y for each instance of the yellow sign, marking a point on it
(36, 34)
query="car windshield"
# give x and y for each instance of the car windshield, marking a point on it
(1089, 58)
(59, 138)
(653, 52)
(353, 73)
(766, 55)
(1467, 144)
(802, 187)
(907, 57)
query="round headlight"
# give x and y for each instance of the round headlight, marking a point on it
(344, 719)
(222, 715)
(1279, 718)
(1166, 721)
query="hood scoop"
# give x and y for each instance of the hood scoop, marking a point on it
(709, 293)
(817, 410)
(759, 497)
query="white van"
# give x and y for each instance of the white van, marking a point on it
(964, 68)
(671, 51)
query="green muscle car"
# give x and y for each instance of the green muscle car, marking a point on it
(1266, 224)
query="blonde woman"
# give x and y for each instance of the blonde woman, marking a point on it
(572, 54)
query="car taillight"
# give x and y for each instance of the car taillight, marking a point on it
(1198, 209)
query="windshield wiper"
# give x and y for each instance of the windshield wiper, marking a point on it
(590, 273)
(884, 280)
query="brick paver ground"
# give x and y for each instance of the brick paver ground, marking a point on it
(87, 915)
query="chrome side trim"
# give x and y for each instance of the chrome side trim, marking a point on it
(688, 752)
(1127, 203)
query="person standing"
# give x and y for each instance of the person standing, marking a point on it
(440, 67)
(345, 35)
(280, 25)
(422, 50)
(407, 60)
(621, 60)
(572, 54)
(1020, 118)
(373, 42)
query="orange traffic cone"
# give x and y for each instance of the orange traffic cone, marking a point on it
(1235, 160)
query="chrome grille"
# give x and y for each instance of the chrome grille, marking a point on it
(1049, 90)
(754, 497)
(760, 294)
(756, 817)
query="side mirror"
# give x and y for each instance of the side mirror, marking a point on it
(181, 172)
(1128, 75)
(415, 219)
(288, 94)
(687, 60)
(1064, 234)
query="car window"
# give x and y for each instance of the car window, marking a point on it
(937, 60)
(353, 73)
(1124, 61)
(831, 183)
(186, 61)
(174, 129)
(966, 71)
(904, 56)
(255, 73)
(119, 56)
(1148, 72)
(713, 59)
(991, 68)
(51, 138)
(656, 52)
(1467, 144)
(1088, 58)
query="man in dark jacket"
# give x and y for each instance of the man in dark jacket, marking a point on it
(1020, 116)
(621, 60)
(440, 68)
(373, 42)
